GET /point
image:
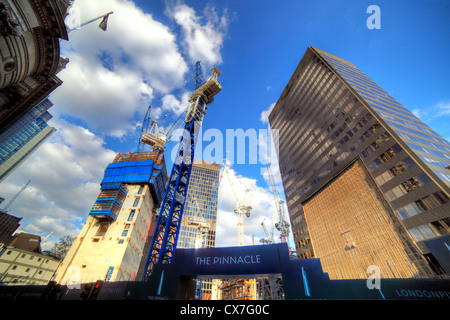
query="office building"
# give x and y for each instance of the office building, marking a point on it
(23, 143)
(201, 207)
(38, 110)
(201, 201)
(30, 36)
(8, 225)
(110, 246)
(22, 262)
(355, 163)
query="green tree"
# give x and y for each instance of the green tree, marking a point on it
(61, 248)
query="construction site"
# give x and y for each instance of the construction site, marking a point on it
(368, 215)
(153, 226)
(146, 263)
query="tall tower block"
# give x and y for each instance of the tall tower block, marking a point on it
(356, 163)
(111, 244)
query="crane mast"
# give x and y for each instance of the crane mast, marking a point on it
(241, 210)
(145, 127)
(167, 229)
(282, 225)
(10, 202)
(202, 224)
(269, 235)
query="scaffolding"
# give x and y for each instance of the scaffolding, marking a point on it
(238, 289)
(139, 156)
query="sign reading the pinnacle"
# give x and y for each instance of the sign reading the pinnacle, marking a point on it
(232, 260)
(248, 259)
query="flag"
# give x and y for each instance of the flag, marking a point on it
(104, 22)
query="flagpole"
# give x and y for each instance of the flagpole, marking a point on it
(90, 21)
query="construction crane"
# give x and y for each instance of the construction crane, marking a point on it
(10, 202)
(153, 136)
(282, 225)
(164, 242)
(241, 210)
(145, 128)
(201, 222)
(269, 235)
(198, 80)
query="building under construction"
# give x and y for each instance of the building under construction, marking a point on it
(113, 240)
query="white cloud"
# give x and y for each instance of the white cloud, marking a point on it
(171, 103)
(105, 100)
(418, 113)
(202, 37)
(264, 118)
(111, 79)
(65, 174)
(442, 109)
(133, 39)
(113, 76)
(272, 154)
(259, 198)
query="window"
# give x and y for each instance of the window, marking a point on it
(397, 191)
(131, 216)
(120, 241)
(102, 228)
(408, 211)
(423, 232)
(427, 203)
(402, 213)
(136, 201)
(141, 188)
(415, 233)
(427, 231)
(124, 233)
(109, 273)
(441, 197)
(441, 227)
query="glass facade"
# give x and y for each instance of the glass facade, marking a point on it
(22, 138)
(39, 110)
(433, 149)
(17, 149)
(330, 114)
(203, 187)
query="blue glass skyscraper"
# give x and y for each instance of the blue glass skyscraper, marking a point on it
(331, 114)
(20, 140)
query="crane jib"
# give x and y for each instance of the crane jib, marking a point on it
(167, 229)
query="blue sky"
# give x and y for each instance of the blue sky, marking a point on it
(147, 55)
